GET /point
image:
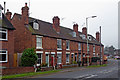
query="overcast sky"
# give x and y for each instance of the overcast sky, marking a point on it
(70, 11)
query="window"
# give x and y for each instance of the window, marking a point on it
(88, 47)
(39, 42)
(39, 58)
(93, 54)
(67, 45)
(35, 25)
(59, 44)
(89, 37)
(47, 59)
(72, 57)
(67, 57)
(79, 56)
(3, 34)
(59, 58)
(76, 57)
(93, 48)
(79, 46)
(3, 56)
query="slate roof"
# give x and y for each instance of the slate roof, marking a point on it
(46, 29)
(5, 23)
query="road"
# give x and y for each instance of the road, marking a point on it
(81, 73)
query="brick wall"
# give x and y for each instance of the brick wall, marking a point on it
(9, 46)
(17, 70)
(23, 38)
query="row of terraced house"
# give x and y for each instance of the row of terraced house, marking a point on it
(54, 44)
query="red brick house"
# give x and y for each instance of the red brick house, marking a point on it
(54, 44)
(6, 40)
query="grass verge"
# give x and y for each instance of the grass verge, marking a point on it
(28, 74)
(97, 66)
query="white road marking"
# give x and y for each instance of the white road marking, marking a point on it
(82, 76)
(91, 76)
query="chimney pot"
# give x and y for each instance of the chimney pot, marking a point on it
(84, 31)
(25, 14)
(56, 23)
(8, 15)
(98, 36)
(75, 28)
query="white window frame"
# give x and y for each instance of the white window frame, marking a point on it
(41, 53)
(41, 42)
(57, 44)
(59, 53)
(68, 53)
(36, 26)
(67, 41)
(88, 47)
(6, 55)
(6, 31)
(93, 48)
(79, 46)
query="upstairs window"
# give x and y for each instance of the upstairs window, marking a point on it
(67, 45)
(39, 42)
(3, 56)
(93, 48)
(79, 46)
(3, 34)
(88, 47)
(36, 26)
(59, 44)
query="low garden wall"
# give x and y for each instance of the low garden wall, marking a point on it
(17, 70)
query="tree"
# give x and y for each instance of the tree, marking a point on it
(29, 57)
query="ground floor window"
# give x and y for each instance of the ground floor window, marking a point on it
(67, 58)
(59, 59)
(93, 54)
(3, 56)
(76, 57)
(79, 56)
(39, 58)
(72, 57)
(47, 59)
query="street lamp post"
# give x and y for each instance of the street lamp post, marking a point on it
(87, 36)
(100, 45)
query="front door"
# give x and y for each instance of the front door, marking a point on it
(52, 60)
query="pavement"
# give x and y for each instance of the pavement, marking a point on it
(82, 73)
(109, 72)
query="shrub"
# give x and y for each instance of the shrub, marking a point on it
(74, 62)
(29, 57)
(95, 59)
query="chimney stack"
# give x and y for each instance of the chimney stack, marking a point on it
(56, 23)
(25, 14)
(75, 28)
(8, 15)
(84, 31)
(98, 36)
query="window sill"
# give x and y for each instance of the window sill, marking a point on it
(3, 61)
(3, 40)
(67, 62)
(39, 48)
(67, 49)
(59, 49)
